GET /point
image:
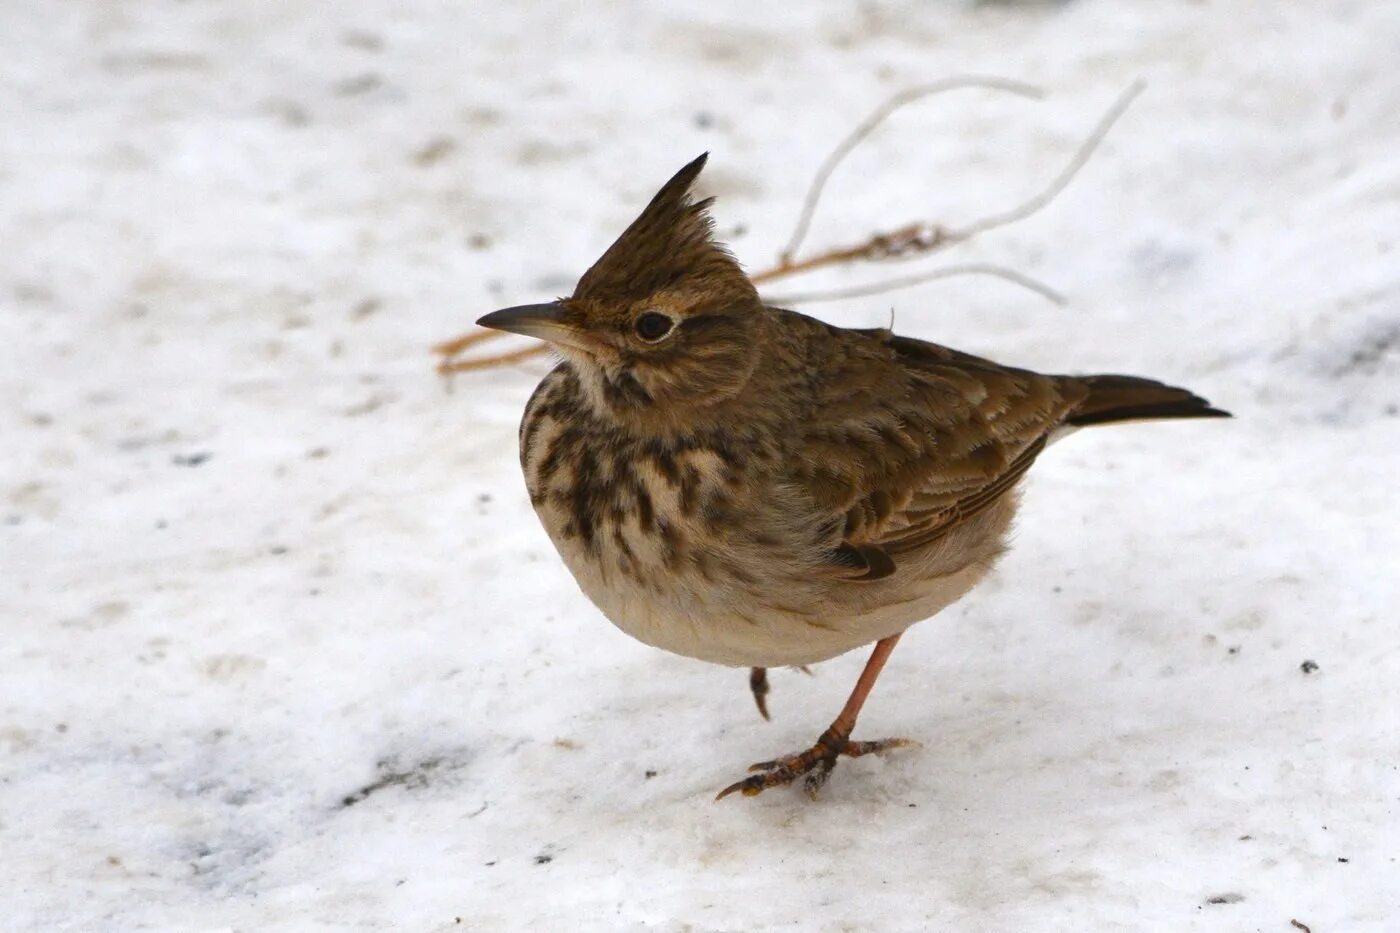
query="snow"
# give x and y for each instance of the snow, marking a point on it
(284, 648)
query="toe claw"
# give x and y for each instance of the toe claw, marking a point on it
(749, 787)
(816, 780)
(737, 785)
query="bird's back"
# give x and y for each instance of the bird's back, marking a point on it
(905, 439)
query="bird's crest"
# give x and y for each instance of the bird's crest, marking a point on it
(672, 239)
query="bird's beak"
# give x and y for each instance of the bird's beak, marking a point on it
(545, 322)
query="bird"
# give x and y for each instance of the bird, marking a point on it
(753, 487)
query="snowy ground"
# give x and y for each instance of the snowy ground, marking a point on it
(282, 647)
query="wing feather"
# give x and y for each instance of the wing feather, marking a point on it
(915, 439)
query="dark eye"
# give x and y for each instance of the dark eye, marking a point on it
(652, 326)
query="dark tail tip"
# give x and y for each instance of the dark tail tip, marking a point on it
(1130, 398)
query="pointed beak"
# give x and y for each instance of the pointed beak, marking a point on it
(545, 322)
(541, 321)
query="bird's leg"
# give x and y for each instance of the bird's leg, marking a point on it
(758, 683)
(818, 761)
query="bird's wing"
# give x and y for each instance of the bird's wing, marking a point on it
(914, 439)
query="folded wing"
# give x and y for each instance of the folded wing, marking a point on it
(916, 439)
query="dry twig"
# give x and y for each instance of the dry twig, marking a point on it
(922, 239)
(905, 281)
(867, 126)
(907, 242)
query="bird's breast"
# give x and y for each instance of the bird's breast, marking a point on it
(688, 544)
(700, 547)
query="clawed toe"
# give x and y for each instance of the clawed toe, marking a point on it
(878, 747)
(758, 684)
(816, 763)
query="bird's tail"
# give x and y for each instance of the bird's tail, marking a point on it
(1130, 398)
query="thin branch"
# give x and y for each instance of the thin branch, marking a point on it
(915, 239)
(449, 366)
(1061, 182)
(868, 126)
(922, 238)
(459, 345)
(906, 281)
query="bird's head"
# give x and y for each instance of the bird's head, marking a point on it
(665, 319)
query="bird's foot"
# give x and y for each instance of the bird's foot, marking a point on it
(816, 763)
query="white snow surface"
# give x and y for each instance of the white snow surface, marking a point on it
(283, 647)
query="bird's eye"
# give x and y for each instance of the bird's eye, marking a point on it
(652, 326)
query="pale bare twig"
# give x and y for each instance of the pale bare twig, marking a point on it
(868, 126)
(906, 281)
(920, 239)
(1061, 181)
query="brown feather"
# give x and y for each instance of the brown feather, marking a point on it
(672, 239)
(1132, 398)
(915, 439)
(927, 438)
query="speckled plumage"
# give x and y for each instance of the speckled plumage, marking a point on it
(751, 540)
(756, 487)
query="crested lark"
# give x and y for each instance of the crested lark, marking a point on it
(751, 486)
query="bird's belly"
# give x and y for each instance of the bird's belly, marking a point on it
(764, 618)
(698, 553)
